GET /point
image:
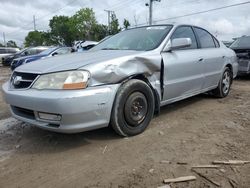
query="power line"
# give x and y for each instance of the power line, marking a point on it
(42, 17)
(200, 12)
(115, 6)
(128, 1)
(205, 11)
(57, 10)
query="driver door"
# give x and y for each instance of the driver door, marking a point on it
(183, 68)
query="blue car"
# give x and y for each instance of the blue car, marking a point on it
(54, 51)
(7, 60)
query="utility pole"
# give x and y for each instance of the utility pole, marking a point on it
(4, 41)
(150, 5)
(34, 21)
(110, 13)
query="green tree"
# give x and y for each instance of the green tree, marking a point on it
(38, 38)
(61, 30)
(11, 43)
(65, 30)
(47, 39)
(1, 45)
(114, 25)
(126, 23)
(34, 38)
(99, 31)
(85, 24)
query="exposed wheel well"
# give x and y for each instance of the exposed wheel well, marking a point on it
(231, 69)
(156, 96)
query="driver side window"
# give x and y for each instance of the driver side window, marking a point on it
(185, 32)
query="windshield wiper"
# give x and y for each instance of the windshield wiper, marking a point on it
(110, 49)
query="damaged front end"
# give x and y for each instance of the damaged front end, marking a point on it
(243, 60)
(146, 66)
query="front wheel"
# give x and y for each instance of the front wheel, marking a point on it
(225, 84)
(133, 108)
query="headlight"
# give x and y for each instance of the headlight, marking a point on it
(63, 80)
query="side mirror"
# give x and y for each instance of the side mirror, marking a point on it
(179, 43)
(54, 54)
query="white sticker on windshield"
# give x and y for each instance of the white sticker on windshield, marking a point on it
(157, 27)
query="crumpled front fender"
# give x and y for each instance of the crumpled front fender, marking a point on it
(117, 70)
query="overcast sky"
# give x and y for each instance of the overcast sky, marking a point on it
(16, 15)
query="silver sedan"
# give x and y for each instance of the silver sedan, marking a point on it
(121, 82)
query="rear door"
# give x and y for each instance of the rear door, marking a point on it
(183, 68)
(213, 55)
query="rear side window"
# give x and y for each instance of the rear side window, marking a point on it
(39, 50)
(206, 40)
(32, 51)
(63, 51)
(185, 32)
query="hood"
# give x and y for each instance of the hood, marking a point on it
(30, 57)
(74, 61)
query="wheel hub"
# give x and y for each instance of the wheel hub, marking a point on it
(226, 81)
(136, 108)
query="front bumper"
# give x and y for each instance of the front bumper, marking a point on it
(80, 110)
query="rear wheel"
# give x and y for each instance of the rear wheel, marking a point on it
(133, 108)
(225, 84)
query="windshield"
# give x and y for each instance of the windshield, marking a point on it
(140, 39)
(243, 42)
(48, 51)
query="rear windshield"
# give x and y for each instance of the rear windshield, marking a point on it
(140, 39)
(243, 42)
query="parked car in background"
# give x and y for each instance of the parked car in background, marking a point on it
(80, 46)
(53, 51)
(227, 43)
(242, 48)
(25, 52)
(122, 81)
(7, 51)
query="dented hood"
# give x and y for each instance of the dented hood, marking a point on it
(75, 61)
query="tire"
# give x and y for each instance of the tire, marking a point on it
(225, 83)
(133, 108)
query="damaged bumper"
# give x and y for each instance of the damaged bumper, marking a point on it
(63, 111)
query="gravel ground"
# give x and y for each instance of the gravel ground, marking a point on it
(192, 132)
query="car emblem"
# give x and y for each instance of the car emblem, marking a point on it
(17, 80)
